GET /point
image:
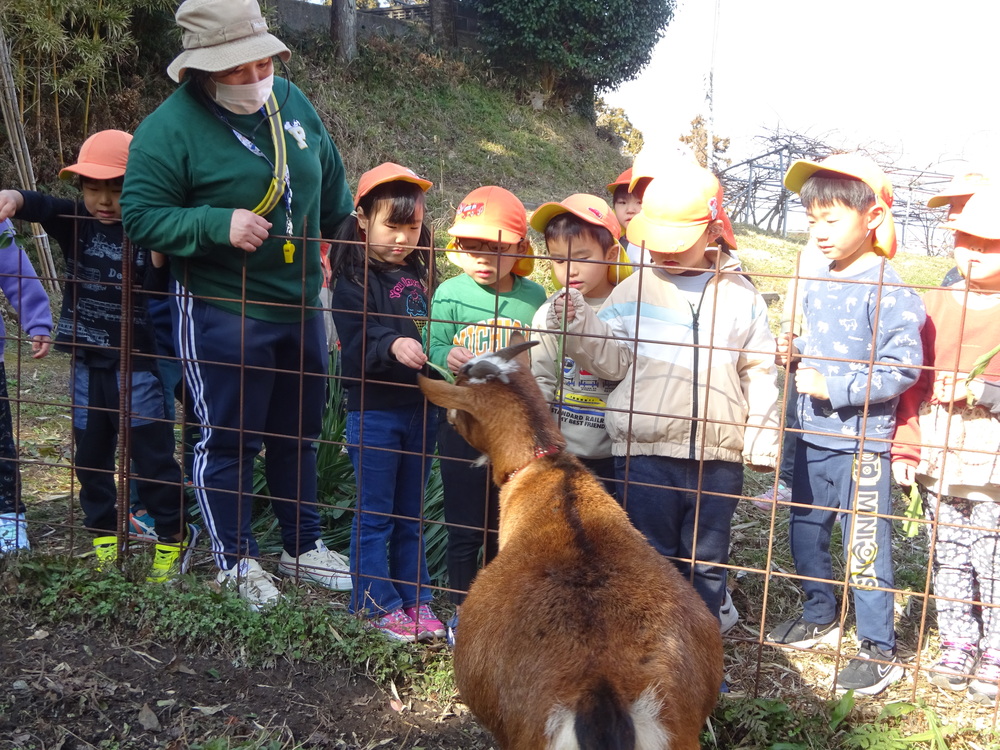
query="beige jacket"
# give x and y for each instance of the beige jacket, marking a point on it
(698, 381)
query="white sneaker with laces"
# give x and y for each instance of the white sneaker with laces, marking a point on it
(13, 533)
(320, 565)
(251, 582)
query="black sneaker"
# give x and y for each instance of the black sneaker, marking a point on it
(871, 671)
(804, 634)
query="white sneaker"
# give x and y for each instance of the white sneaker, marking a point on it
(251, 582)
(320, 565)
(13, 533)
(728, 616)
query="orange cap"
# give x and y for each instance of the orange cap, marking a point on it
(490, 213)
(862, 168)
(590, 208)
(676, 209)
(103, 156)
(981, 215)
(388, 172)
(623, 179)
(965, 184)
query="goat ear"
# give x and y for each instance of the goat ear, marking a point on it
(445, 394)
(517, 349)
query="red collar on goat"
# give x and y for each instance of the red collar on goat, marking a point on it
(539, 452)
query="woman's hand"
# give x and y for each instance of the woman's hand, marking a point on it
(247, 230)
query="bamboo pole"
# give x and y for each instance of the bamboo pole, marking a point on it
(22, 159)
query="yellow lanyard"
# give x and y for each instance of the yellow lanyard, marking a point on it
(277, 187)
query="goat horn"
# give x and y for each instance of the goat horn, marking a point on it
(512, 351)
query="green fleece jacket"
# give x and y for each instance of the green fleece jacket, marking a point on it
(187, 172)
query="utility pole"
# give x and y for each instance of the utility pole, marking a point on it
(709, 97)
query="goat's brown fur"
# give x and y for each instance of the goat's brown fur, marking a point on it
(577, 610)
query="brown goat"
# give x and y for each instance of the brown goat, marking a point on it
(578, 635)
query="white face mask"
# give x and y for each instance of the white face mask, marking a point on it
(242, 98)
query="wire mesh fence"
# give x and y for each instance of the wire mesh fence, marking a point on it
(261, 455)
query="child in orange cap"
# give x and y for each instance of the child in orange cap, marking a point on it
(90, 235)
(625, 201)
(859, 352)
(962, 481)
(383, 269)
(687, 337)
(471, 314)
(581, 236)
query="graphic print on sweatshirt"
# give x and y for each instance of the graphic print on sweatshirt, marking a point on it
(488, 335)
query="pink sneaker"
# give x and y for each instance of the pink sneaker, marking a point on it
(397, 625)
(428, 626)
(765, 500)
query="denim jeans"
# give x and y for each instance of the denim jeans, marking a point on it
(392, 451)
(680, 522)
(823, 486)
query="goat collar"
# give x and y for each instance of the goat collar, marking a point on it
(539, 452)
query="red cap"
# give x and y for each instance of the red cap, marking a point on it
(388, 172)
(103, 156)
(623, 179)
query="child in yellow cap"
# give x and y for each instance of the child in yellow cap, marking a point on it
(90, 234)
(861, 350)
(471, 314)
(687, 337)
(955, 195)
(581, 237)
(962, 481)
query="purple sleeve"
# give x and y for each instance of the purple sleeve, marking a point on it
(20, 284)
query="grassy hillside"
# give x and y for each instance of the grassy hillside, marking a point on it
(452, 121)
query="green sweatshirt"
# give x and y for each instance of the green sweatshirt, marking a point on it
(187, 172)
(465, 313)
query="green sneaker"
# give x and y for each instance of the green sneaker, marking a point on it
(173, 559)
(106, 551)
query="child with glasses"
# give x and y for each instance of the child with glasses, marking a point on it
(474, 313)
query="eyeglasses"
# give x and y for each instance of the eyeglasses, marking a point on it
(482, 247)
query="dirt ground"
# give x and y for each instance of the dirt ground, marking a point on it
(66, 689)
(71, 690)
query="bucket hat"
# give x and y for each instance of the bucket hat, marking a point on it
(222, 34)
